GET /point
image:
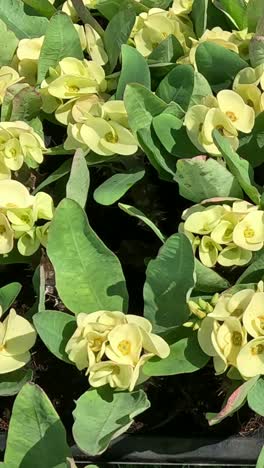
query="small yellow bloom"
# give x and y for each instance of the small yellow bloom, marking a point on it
(223, 232)
(208, 251)
(117, 375)
(116, 111)
(95, 46)
(253, 318)
(13, 194)
(249, 233)
(17, 336)
(43, 207)
(249, 76)
(107, 137)
(232, 305)
(234, 255)
(228, 340)
(28, 243)
(240, 115)
(194, 120)
(251, 95)
(21, 219)
(28, 53)
(6, 235)
(250, 360)
(205, 220)
(180, 7)
(125, 344)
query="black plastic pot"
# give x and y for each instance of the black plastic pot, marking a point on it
(135, 449)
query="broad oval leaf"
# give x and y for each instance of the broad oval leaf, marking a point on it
(55, 329)
(134, 70)
(199, 16)
(89, 276)
(169, 282)
(211, 178)
(208, 280)
(79, 181)
(8, 44)
(105, 414)
(8, 294)
(255, 397)
(43, 7)
(45, 434)
(116, 186)
(12, 12)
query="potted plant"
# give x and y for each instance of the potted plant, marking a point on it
(131, 232)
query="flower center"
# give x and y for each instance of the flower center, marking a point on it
(2, 230)
(249, 233)
(236, 338)
(111, 138)
(231, 116)
(258, 349)
(124, 347)
(2, 347)
(72, 89)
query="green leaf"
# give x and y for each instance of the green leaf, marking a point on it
(255, 397)
(35, 429)
(207, 280)
(211, 178)
(21, 102)
(141, 105)
(12, 382)
(185, 356)
(110, 8)
(8, 294)
(8, 45)
(255, 271)
(78, 184)
(62, 171)
(117, 33)
(105, 414)
(255, 11)
(234, 402)
(55, 329)
(199, 16)
(184, 86)
(256, 45)
(260, 461)
(252, 150)
(218, 64)
(134, 70)
(116, 186)
(89, 276)
(167, 51)
(132, 211)
(42, 7)
(61, 40)
(12, 12)
(169, 282)
(240, 168)
(235, 11)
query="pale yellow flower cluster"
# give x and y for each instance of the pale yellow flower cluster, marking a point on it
(17, 336)
(113, 347)
(152, 28)
(75, 90)
(233, 334)
(225, 234)
(249, 84)
(228, 113)
(20, 214)
(19, 144)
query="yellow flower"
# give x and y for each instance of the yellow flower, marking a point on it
(108, 372)
(13, 194)
(125, 344)
(180, 7)
(250, 360)
(116, 111)
(216, 119)
(28, 53)
(8, 77)
(223, 232)
(240, 115)
(228, 339)
(81, 33)
(249, 76)
(76, 110)
(107, 137)
(253, 317)
(153, 27)
(6, 235)
(205, 220)
(17, 336)
(232, 305)
(74, 78)
(234, 255)
(95, 46)
(43, 207)
(194, 120)
(249, 233)
(208, 251)
(21, 219)
(251, 95)
(28, 243)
